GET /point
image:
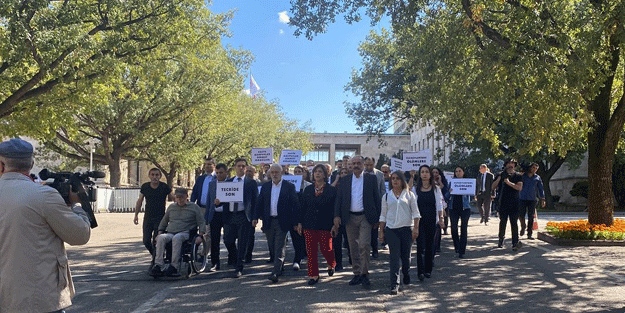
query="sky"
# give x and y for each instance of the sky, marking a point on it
(306, 78)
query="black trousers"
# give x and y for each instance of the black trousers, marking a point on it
(337, 243)
(299, 246)
(399, 244)
(460, 243)
(150, 230)
(217, 224)
(425, 246)
(509, 211)
(250, 245)
(374, 240)
(238, 227)
(527, 207)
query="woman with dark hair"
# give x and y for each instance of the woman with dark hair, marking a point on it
(430, 206)
(399, 224)
(459, 208)
(317, 219)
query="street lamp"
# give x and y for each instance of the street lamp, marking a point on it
(91, 151)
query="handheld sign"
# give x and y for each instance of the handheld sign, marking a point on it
(290, 157)
(462, 186)
(413, 160)
(396, 164)
(230, 191)
(262, 155)
(295, 180)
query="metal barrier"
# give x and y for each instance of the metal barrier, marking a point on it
(117, 200)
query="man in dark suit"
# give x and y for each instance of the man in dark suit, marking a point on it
(278, 207)
(199, 194)
(358, 207)
(214, 218)
(238, 217)
(484, 192)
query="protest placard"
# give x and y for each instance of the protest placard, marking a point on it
(396, 164)
(230, 191)
(262, 155)
(290, 157)
(295, 180)
(462, 186)
(413, 160)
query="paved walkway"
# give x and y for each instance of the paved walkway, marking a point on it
(110, 276)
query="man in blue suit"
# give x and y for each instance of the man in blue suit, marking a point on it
(238, 217)
(278, 207)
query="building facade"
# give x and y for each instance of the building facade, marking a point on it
(329, 147)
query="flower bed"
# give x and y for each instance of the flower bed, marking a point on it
(582, 230)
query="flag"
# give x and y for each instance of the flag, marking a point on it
(254, 89)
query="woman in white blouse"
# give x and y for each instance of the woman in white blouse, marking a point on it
(399, 225)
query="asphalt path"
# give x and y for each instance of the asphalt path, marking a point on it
(110, 275)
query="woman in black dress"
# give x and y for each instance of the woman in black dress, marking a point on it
(430, 205)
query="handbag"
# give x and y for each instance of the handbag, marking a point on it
(535, 226)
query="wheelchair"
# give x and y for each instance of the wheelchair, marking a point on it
(193, 257)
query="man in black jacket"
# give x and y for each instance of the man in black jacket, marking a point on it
(358, 207)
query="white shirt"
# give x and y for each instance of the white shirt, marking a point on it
(357, 193)
(239, 205)
(483, 181)
(275, 194)
(399, 212)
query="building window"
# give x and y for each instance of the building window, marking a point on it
(339, 153)
(419, 146)
(317, 156)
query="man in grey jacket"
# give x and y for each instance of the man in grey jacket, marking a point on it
(180, 218)
(35, 222)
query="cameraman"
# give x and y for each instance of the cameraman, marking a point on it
(34, 224)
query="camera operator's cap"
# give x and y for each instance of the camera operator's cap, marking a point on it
(181, 192)
(16, 148)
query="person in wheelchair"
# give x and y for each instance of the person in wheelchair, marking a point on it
(180, 217)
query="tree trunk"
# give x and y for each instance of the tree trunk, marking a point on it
(546, 171)
(115, 171)
(600, 204)
(170, 177)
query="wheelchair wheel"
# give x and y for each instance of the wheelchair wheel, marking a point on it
(199, 258)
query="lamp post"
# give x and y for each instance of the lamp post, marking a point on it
(91, 150)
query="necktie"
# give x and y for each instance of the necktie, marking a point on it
(236, 204)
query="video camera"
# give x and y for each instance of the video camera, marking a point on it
(64, 182)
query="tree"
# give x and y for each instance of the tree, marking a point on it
(48, 44)
(471, 65)
(139, 103)
(223, 138)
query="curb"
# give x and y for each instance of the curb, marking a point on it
(546, 237)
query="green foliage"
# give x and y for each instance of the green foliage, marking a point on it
(45, 45)
(580, 189)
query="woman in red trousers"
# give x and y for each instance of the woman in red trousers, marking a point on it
(317, 215)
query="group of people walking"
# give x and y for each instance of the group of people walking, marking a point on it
(355, 202)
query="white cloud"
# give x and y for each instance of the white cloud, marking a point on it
(246, 91)
(284, 17)
(281, 31)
